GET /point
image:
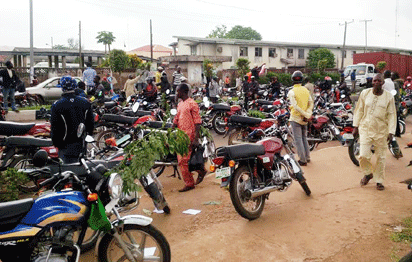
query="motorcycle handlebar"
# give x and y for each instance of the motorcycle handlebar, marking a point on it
(49, 181)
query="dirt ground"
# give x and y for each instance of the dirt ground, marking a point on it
(340, 221)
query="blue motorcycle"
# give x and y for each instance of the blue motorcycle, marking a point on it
(53, 226)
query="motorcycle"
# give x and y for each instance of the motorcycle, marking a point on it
(253, 171)
(320, 130)
(46, 229)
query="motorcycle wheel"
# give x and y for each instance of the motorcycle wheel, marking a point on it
(138, 239)
(101, 138)
(402, 127)
(158, 170)
(327, 133)
(236, 138)
(218, 123)
(22, 162)
(247, 208)
(354, 150)
(89, 240)
(302, 181)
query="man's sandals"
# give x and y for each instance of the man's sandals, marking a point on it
(365, 180)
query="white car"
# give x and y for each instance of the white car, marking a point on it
(49, 90)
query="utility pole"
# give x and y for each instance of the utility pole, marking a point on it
(366, 33)
(31, 42)
(396, 22)
(151, 42)
(80, 45)
(344, 42)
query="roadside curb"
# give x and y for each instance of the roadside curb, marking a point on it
(22, 116)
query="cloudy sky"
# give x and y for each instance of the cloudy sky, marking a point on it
(315, 21)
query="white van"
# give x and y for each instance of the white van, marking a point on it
(46, 64)
(363, 71)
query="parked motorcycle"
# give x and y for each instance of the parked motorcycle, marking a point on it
(253, 171)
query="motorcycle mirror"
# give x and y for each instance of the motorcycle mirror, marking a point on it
(144, 103)
(40, 158)
(207, 103)
(217, 96)
(205, 99)
(167, 91)
(173, 112)
(343, 96)
(135, 107)
(265, 93)
(393, 92)
(89, 139)
(128, 99)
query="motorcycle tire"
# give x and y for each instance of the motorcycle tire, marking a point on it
(101, 138)
(302, 181)
(158, 170)
(109, 250)
(238, 198)
(236, 138)
(402, 127)
(90, 239)
(406, 258)
(216, 123)
(353, 149)
(22, 162)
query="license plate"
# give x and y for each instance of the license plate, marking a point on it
(223, 172)
(347, 136)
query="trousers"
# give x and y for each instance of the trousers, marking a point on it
(9, 93)
(365, 155)
(183, 162)
(300, 135)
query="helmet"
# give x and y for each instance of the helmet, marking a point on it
(67, 83)
(297, 76)
(160, 68)
(246, 77)
(149, 79)
(409, 78)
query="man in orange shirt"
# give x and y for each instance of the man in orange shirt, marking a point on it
(188, 120)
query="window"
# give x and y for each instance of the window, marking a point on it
(258, 51)
(290, 53)
(243, 51)
(344, 53)
(272, 52)
(301, 54)
(193, 50)
(353, 52)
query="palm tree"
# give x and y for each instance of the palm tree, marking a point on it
(106, 38)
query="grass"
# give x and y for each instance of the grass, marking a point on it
(402, 238)
(35, 107)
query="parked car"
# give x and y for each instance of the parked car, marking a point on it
(49, 90)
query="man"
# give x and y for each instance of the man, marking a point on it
(254, 87)
(9, 81)
(176, 78)
(301, 110)
(398, 83)
(98, 90)
(88, 77)
(150, 91)
(375, 120)
(245, 89)
(164, 83)
(129, 86)
(344, 87)
(188, 120)
(353, 79)
(214, 90)
(388, 85)
(67, 114)
(275, 87)
(227, 82)
(310, 87)
(407, 86)
(255, 71)
(158, 75)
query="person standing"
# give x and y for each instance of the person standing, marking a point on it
(188, 120)
(301, 110)
(214, 90)
(353, 79)
(177, 75)
(9, 81)
(246, 91)
(129, 86)
(254, 87)
(344, 87)
(150, 91)
(398, 83)
(255, 71)
(158, 75)
(227, 82)
(275, 87)
(67, 114)
(88, 77)
(407, 86)
(375, 121)
(164, 83)
(388, 85)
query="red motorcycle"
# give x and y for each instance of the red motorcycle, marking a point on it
(247, 129)
(320, 130)
(253, 171)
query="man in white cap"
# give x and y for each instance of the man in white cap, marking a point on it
(158, 75)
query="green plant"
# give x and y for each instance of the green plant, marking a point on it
(118, 60)
(141, 154)
(320, 59)
(256, 113)
(208, 68)
(10, 180)
(242, 65)
(381, 65)
(47, 107)
(315, 76)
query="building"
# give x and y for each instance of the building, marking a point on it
(158, 51)
(276, 55)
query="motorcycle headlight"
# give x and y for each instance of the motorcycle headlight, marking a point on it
(115, 185)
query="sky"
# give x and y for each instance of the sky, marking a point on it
(315, 21)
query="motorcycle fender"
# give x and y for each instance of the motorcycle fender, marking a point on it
(7, 155)
(130, 219)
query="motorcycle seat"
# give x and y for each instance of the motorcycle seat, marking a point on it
(110, 104)
(143, 113)
(27, 141)
(119, 119)
(8, 128)
(246, 120)
(241, 151)
(157, 124)
(221, 107)
(261, 92)
(264, 102)
(12, 212)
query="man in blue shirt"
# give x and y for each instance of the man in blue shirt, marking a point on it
(88, 77)
(353, 79)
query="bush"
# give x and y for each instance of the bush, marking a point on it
(10, 180)
(256, 113)
(316, 76)
(283, 78)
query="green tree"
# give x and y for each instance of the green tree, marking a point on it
(105, 38)
(118, 60)
(242, 66)
(237, 32)
(219, 32)
(135, 61)
(320, 59)
(381, 65)
(208, 68)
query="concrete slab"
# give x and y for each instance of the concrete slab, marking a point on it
(22, 116)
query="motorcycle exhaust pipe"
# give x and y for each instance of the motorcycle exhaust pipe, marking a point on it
(258, 192)
(165, 163)
(315, 140)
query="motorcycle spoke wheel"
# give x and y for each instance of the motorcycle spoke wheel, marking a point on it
(101, 138)
(219, 124)
(145, 243)
(354, 150)
(246, 207)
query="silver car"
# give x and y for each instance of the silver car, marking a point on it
(49, 90)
